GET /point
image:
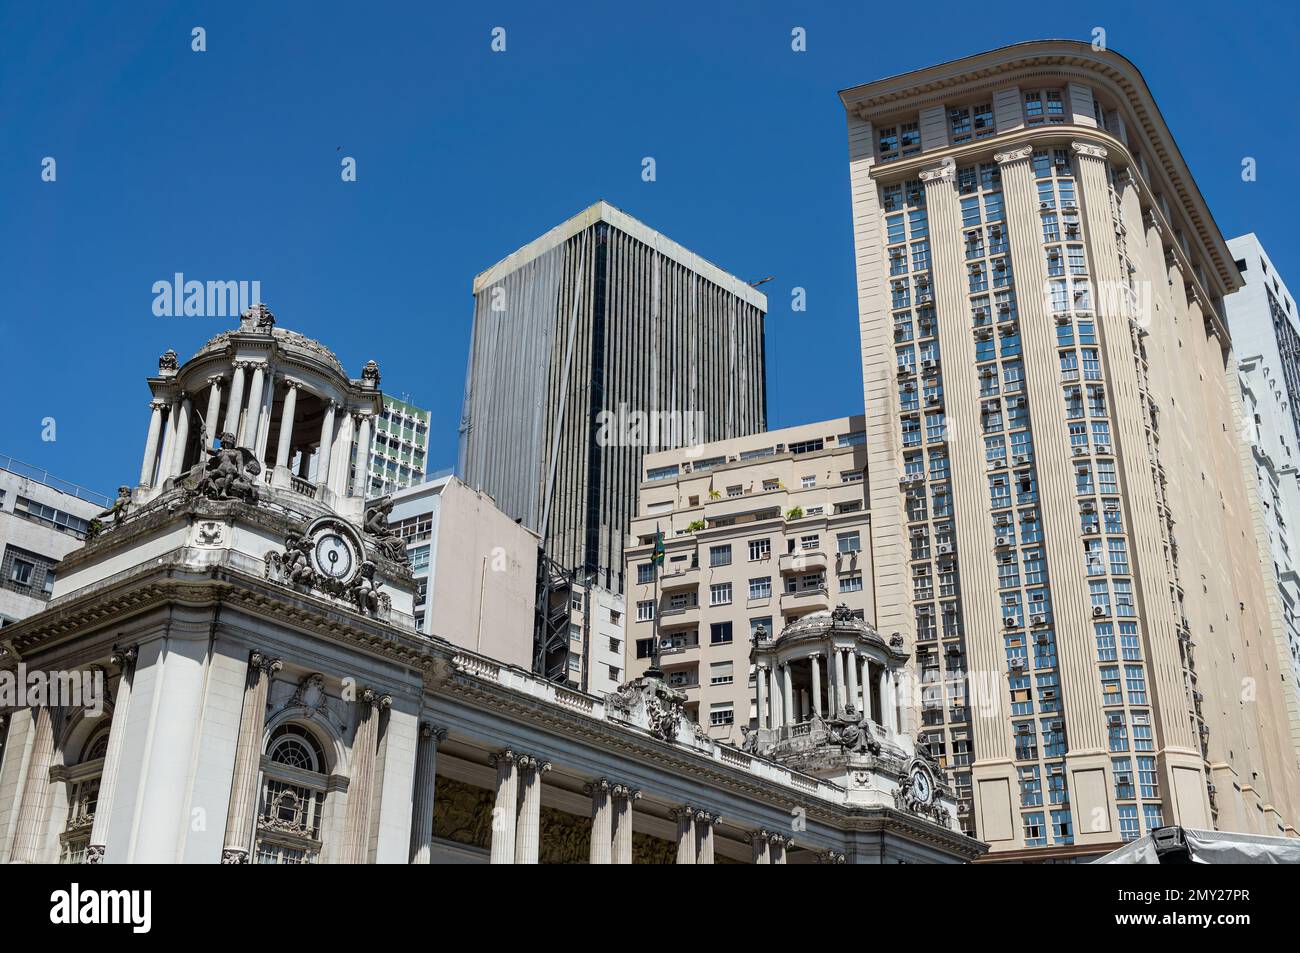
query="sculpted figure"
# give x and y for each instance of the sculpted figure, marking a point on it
(230, 472)
(386, 541)
(364, 591)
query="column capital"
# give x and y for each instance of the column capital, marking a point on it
(706, 817)
(682, 811)
(530, 762)
(599, 784)
(430, 730)
(1092, 150)
(624, 791)
(831, 857)
(375, 698)
(292, 384)
(945, 171)
(216, 380)
(123, 655)
(1014, 154)
(242, 365)
(504, 756)
(264, 663)
(760, 836)
(783, 839)
(159, 404)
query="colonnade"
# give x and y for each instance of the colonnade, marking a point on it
(851, 679)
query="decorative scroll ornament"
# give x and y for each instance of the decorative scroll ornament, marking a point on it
(1089, 149)
(1013, 155)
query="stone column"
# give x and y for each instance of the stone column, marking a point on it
(29, 835)
(506, 812)
(168, 442)
(704, 822)
(235, 400)
(851, 661)
(685, 817)
(758, 840)
(214, 410)
(182, 437)
(248, 759)
(426, 780)
(363, 455)
(151, 442)
(760, 682)
(124, 659)
(787, 694)
(342, 464)
(253, 419)
(886, 702)
(623, 800)
(528, 837)
(361, 786)
(816, 684)
(776, 849)
(866, 686)
(774, 694)
(326, 445)
(602, 821)
(286, 423)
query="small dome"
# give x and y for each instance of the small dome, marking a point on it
(286, 339)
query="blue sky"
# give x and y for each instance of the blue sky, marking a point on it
(225, 165)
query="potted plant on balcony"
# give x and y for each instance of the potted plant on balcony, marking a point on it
(794, 513)
(695, 526)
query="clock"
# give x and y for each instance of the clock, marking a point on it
(921, 786)
(333, 556)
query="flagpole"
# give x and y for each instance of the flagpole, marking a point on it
(654, 671)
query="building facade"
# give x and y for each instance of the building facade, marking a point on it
(399, 451)
(758, 532)
(42, 519)
(263, 672)
(1040, 290)
(591, 345)
(1266, 337)
(473, 566)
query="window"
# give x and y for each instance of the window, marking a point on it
(720, 633)
(721, 713)
(760, 549)
(720, 555)
(760, 588)
(1035, 834)
(1117, 731)
(848, 542)
(645, 610)
(293, 798)
(1128, 822)
(807, 482)
(850, 476)
(1148, 780)
(644, 648)
(810, 543)
(720, 594)
(21, 572)
(721, 673)
(645, 572)
(851, 583)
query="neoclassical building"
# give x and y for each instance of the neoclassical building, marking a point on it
(270, 700)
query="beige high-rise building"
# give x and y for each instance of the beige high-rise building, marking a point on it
(758, 531)
(1040, 289)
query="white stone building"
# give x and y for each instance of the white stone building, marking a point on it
(269, 699)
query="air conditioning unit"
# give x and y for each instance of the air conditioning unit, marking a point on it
(918, 532)
(1020, 458)
(1122, 779)
(925, 298)
(945, 549)
(1009, 621)
(1069, 207)
(1103, 448)
(1088, 506)
(933, 400)
(983, 333)
(1017, 664)
(1044, 205)
(1005, 307)
(978, 312)
(1062, 318)
(1080, 451)
(1098, 612)
(1002, 541)
(1038, 620)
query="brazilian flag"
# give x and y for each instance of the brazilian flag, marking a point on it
(658, 557)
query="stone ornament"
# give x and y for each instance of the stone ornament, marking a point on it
(1013, 155)
(650, 704)
(389, 544)
(370, 375)
(168, 361)
(229, 473)
(328, 557)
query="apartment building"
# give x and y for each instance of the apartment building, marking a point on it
(1266, 336)
(1040, 291)
(758, 531)
(398, 455)
(42, 519)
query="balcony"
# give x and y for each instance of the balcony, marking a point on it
(803, 561)
(681, 579)
(806, 600)
(673, 617)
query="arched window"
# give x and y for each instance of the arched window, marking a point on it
(83, 778)
(293, 798)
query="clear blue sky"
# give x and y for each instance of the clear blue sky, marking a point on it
(225, 165)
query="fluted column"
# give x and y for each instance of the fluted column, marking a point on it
(851, 661)
(887, 718)
(685, 817)
(123, 658)
(774, 693)
(506, 812)
(787, 694)
(168, 442)
(361, 786)
(816, 684)
(528, 837)
(248, 758)
(760, 682)
(235, 399)
(151, 442)
(30, 830)
(182, 436)
(323, 453)
(624, 797)
(426, 779)
(363, 455)
(704, 822)
(758, 840)
(866, 687)
(286, 423)
(342, 464)
(210, 420)
(602, 821)
(253, 419)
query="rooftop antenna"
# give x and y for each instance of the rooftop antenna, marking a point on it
(761, 281)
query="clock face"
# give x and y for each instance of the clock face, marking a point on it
(333, 556)
(922, 789)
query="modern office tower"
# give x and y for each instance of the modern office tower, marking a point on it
(474, 568)
(1046, 364)
(399, 450)
(591, 345)
(1266, 338)
(758, 531)
(42, 519)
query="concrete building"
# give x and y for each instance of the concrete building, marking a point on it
(758, 531)
(399, 449)
(1266, 339)
(1040, 291)
(592, 345)
(474, 568)
(42, 519)
(264, 671)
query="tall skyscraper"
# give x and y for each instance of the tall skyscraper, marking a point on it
(591, 345)
(1266, 339)
(398, 455)
(1040, 289)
